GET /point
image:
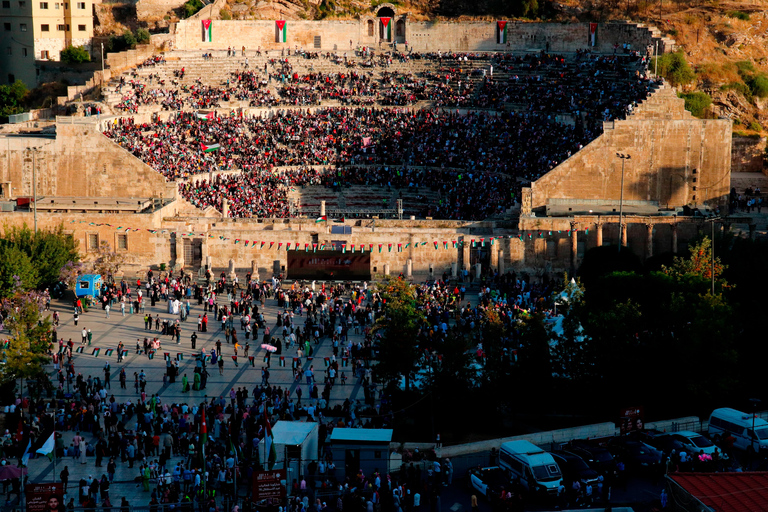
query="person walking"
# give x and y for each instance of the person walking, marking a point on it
(106, 308)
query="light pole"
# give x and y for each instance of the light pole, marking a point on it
(755, 402)
(102, 63)
(624, 158)
(34, 183)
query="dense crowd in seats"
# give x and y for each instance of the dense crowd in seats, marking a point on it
(543, 109)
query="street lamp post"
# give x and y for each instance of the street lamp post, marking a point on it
(755, 402)
(624, 158)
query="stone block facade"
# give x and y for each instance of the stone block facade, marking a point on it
(748, 154)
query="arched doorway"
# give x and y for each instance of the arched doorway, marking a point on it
(400, 31)
(385, 12)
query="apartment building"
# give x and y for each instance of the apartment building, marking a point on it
(38, 30)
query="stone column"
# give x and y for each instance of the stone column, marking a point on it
(674, 238)
(599, 233)
(179, 251)
(224, 208)
(623, 228)
(231, 269)
(208, 262)
(494, 256)
(478, 270)
(574, 246)
(465, 254)
(409, 268)
(322, 208)
(502, 268)
(254, 270)
(386, 269)
(454, 269)
(649, 240)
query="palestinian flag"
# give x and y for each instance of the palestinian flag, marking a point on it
(179, 356)
(109, 352)
(592, 34)
(166, 356)
(387, 24)
(79, 350)
(207, 31)
(125, 353)
(282, 361)
(207, 116)
(296, 362)
(48, 446)
(266, 357)
(96, 352)
(211, 148)
(6, 345)
(344, 362)
(234, 358)
(151, 354)
(252, 359)
(324, 218)
(327, 361)
(282, 30)
(269, 439)
(203, 434)
(501, 32)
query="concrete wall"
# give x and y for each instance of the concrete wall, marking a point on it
(676, 160)
(748, 154)
(79, 162)
(421, 35)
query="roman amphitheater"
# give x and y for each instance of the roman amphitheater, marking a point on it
(376, 146)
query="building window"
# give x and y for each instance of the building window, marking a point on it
(81, 5)
(23, 27)
(43, 5)
(57, 5)
(6, 4)
(60, 27)
(370, 28)
(81, 28)
(11, 78)
(44, 54)
(22, 4)
(93, 242)
(122, 242)
(7, 26)
(24, 52)
(44, 28)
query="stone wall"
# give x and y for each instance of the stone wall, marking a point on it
(748, 154)
(79, 162)
(676, 160)
(421, 35)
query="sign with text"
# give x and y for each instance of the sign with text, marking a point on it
(268, 484)
(45, 497)
(631, 419)
(329, 265)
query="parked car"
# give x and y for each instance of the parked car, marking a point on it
(488, 481)
(637, 455)
(574, 467)
(687, 441)
(597, 457)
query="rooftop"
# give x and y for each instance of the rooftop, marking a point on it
(363, 435)
(727, 492)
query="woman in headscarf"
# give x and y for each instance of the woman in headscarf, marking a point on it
(196, 385)
(184, 384)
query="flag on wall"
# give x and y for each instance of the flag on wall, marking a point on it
(281, 31)
(592, 34)
(387, 28)
(501, 32)
(207, 31)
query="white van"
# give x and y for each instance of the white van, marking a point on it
(535, 468)
(739, 425)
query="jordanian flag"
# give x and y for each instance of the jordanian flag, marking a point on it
(203, 433)
(321, 219)
(281, 31)
(211, 148)
(501, 32)
(387, 28)
(207, 31)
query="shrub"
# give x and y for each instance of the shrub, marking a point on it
(225, 14)
(758, 84)
(129, 39)
(75, 55)
(739, 15)
(696, 103)
(142, 36)
(191, 7)
(745, 67)
(674, 68)
(740, 88)
(755, 126)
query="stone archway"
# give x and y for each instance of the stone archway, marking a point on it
(385, 11)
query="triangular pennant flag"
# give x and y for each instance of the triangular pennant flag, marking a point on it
(435, 242)
(380, 247)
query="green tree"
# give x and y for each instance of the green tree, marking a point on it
(191, 7)
(129, 40)
(698, 266)
(497, 366)
(674, 67)
(16, 269)
(399, 329)
(49, 250)
(534, 358)
(75, 55)
(12, 97)
(697, 102)
(29, 338)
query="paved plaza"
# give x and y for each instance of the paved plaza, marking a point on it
(108, 332)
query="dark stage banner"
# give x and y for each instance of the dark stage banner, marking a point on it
(329, 266)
